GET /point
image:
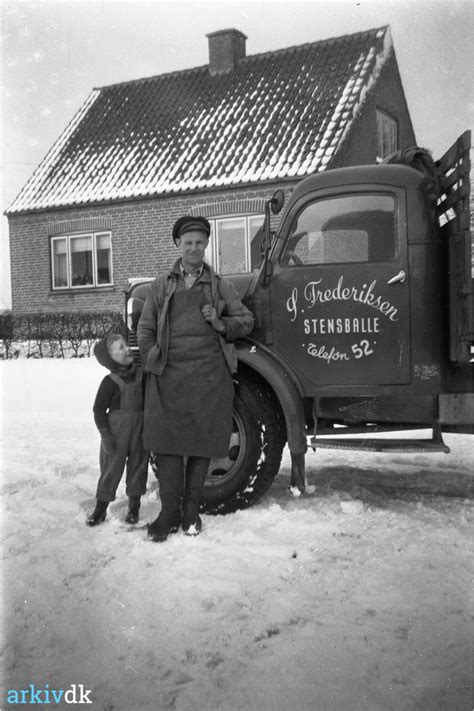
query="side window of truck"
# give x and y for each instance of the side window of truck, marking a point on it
(349, 228)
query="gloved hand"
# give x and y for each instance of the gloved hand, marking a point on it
(108, 443)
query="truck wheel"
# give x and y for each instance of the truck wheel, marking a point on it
(254, 456)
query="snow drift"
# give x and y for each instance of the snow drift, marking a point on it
(358, 597)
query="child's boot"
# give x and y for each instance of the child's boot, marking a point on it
(133, 508)
(99, 513)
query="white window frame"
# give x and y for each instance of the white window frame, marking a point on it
(212, 252)
(95, 277)
(387, 134)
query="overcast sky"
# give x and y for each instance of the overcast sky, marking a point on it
(55, 53)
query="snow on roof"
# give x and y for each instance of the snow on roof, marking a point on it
(277, 115)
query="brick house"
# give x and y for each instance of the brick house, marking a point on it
(215, 140)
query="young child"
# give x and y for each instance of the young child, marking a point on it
(118, 414)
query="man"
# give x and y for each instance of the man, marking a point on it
(185, 334)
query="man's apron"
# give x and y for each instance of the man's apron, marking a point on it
(188, 409)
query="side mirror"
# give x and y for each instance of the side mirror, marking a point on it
(274, 204)
(277, 201)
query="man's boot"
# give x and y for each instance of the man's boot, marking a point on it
(99, 513)
(166, 523)
(133, 508)
(196, 472)
(170, 477)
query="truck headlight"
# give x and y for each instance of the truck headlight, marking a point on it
(134, 310)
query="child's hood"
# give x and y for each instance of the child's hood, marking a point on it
(104, 357)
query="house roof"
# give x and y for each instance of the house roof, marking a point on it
(276, 115)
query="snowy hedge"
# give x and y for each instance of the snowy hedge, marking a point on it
(55, 335)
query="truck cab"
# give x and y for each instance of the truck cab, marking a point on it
(342, 268)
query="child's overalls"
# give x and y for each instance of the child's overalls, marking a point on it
(126, 426)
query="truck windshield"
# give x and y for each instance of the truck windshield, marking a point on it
(350, 228)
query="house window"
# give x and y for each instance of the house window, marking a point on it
(229, 246)
(81, 260)
(387, 135)
(350, 228)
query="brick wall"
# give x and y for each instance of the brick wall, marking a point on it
(141, 244)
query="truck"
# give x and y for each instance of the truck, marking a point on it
(363, 328)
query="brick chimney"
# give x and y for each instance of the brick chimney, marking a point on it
(226, 47)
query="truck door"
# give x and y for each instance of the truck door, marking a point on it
(340, 289)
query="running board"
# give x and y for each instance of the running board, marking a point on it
(382, 445)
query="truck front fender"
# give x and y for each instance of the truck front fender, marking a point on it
(272, 372)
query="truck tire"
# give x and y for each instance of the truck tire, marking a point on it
(255, 451)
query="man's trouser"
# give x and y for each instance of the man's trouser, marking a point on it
(181, 486)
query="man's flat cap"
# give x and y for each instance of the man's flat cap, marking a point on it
(188, 223)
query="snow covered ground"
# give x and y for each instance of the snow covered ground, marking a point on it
(357, 598)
